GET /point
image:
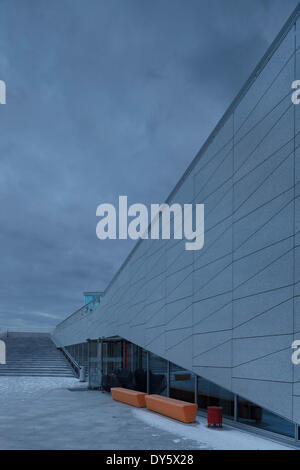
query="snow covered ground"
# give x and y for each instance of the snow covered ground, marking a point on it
(227, 438)
(24, 388)
(59, 413)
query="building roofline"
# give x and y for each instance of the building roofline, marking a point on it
(76, 311)
(256, 72)
(93, 293)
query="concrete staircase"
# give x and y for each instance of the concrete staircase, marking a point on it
(33, 354)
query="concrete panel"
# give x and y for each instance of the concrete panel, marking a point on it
(178, 257)
(217, 321)
(154, 313)
(246, 308)
(247, 350)
(265, 226)
(270, 96)
(206, 342)
(297, 314)
(297, 264)
(262, 271)
(266, 394)
(220, 356)
(173, 309)
(183, 319)
(296, 409)
(221, 142)
(210, 306)
(179, 345)
(270, 135)
(265, 81)
(274, 367)
(275, 321)
(218, 206)
(218, 248)
(218, 375)
(274, 184)
(179, 284)
(223, 172)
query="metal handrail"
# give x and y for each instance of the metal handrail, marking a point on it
(74, 364)
(12, 329)
(85, 308)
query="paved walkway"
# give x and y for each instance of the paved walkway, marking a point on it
(54, 413)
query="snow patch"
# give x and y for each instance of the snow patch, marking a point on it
(227, 438)
(24, 387)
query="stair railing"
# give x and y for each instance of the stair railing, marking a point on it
(74, 364)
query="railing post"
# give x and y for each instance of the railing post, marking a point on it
(82, 374)
(168, 378)
(235, 412)
(148, 372)
(101, 362)
(98, 362)
(196, 389)
(89, 351)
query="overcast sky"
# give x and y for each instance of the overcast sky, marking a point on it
(105, 98)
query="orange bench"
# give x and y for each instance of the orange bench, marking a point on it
(177, 409)
(131, 397)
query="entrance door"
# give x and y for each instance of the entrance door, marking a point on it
(94, 364)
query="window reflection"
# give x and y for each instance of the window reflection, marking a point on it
(136, 363)
(94, 365)
(124, 365)
(182, 384)
(253, 415)
(158, 375)
(210, 394)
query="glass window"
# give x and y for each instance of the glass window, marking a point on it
(112, 356)
(124, 365)
(94, 365)
(117, 367)
(182, 384)
(254, 415)
(158, 374)
(80, 356)
(85, 354)
(210, 394)
(136, 362)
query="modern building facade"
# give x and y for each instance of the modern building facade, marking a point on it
(217, 325)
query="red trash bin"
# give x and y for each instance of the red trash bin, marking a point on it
(214, 415)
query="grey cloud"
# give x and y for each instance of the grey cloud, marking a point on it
(105, 98)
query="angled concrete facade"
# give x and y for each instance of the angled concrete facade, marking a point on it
(231, 311)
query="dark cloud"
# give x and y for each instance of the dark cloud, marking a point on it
(105, 98)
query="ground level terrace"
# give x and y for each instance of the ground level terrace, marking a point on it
(59, 413)
(115, 362)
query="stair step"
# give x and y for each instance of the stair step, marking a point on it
(33, 355)
(36, 375)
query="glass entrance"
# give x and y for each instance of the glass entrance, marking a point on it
(94, 364)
